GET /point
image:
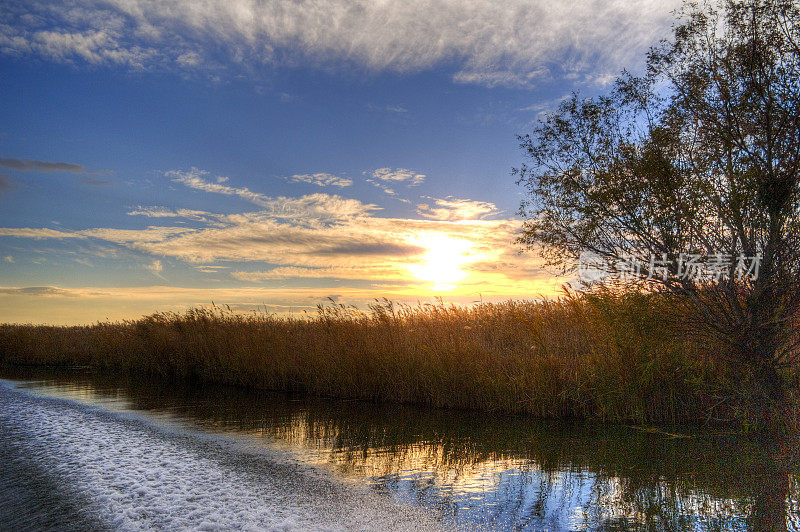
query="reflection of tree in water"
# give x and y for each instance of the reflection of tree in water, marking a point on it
(507, 472)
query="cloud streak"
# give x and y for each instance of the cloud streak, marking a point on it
(457, 209)
(163, 212)
(322, 180)
(310, 206)
(399, 175)
(36, 291)
(491, 43)
(28, 165)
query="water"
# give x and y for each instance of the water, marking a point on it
(478, 469)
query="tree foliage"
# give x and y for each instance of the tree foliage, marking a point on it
(699, 155)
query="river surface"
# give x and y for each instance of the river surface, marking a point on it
(84, 451)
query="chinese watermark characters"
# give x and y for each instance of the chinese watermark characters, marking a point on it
(593, 268)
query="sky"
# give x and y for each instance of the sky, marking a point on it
(273, 155)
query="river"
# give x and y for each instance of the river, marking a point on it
(85, 451)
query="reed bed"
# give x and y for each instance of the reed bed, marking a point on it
(623, 357)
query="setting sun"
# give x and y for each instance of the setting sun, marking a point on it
(442, 263)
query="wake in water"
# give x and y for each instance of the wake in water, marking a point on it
(72, 466)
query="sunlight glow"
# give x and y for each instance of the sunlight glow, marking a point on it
(443, 261)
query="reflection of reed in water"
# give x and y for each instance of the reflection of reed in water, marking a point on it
(507, 471)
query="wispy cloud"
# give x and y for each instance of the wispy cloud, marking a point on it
(26, 165)
(36, 291)
(37, 233)
(251, 239)
(197, 179)
(322, 180)
(390, 108)
(210, 268)
(314, 206)
(399, 175)
(133, 236)
(163, 212)
(484, 41)
(155, 267)
(457, 209)
(387, 179)
(119, 236)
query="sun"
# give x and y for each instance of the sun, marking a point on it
(442, 263)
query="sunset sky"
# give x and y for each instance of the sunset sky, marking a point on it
(270, 154)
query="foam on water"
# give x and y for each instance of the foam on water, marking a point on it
(131, 474)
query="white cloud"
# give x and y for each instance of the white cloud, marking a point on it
(155, 268)
(37, 233)
(94, 46)
(36, 291)
(189, 59)
(109, 234)
(457, 209)
(361, 242)
(196, 178)
(310, 206)
(403, 175)
(163, 212)
(390, 108)
(485, 41)
(322, 180)
(133, 236)
(210, 268)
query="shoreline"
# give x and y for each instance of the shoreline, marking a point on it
(629, 358)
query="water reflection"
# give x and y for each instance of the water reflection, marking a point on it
(482, 469)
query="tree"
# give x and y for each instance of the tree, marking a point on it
(697, 157)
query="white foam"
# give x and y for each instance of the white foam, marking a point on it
(137, 476)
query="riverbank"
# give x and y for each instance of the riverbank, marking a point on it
(632, 357)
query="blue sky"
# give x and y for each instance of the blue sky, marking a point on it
(155, 156)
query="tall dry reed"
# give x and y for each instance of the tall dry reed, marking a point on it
(612, 356)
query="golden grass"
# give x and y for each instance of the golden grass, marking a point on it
(611, 356)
